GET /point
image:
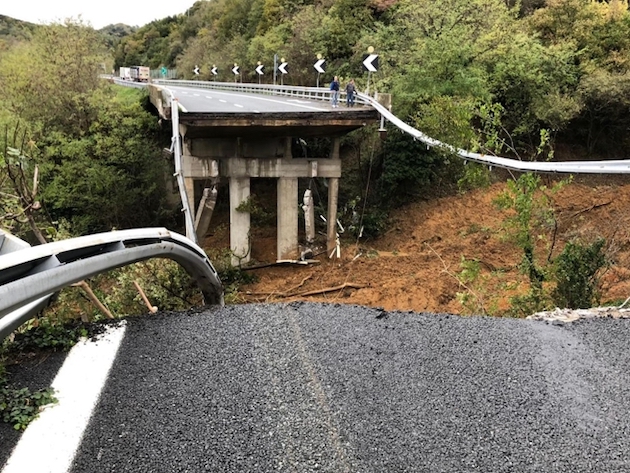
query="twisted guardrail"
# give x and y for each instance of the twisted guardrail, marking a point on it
(28, 277)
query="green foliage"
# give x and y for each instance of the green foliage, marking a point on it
(577, 272)
(45, 333)
(67, 59)
(166, 284)
(232, 277)
(117, 163)
(259, 210)
(530, 217)
(475, 176)
(13, 31)
(20, 406)
(406, 169)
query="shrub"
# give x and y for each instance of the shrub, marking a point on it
(577, 271)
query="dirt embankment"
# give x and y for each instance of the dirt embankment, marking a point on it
(416, 264)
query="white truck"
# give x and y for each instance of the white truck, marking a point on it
(125, 73)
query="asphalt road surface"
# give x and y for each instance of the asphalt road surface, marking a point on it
(218, 101)
(332, 388)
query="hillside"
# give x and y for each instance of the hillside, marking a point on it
(13, 31)
(414, 266)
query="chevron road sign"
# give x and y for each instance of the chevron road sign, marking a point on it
(196, 70)
(214, 70)
(259, 70)
(370, 62)
(319, 66)
(235, 70)
(283, 68)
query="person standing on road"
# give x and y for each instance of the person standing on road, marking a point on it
(334, 87)
(350, 89)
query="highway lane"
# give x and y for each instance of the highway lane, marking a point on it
(315, 387)
(216, 101)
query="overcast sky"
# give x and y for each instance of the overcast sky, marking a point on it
(98, 13)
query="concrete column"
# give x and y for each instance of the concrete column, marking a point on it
(287, 148)
(333, 196)
(205, 211)
(287, 218)
(239, 221)
(334, 151)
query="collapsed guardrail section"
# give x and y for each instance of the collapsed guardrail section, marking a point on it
(30, 275)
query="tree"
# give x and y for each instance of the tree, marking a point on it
(49, 80)
(111, 177)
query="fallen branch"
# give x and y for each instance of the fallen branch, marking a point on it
(309, 293)
(90, 294)
(153, 309)
(588, 209)
(329, 289)
(299, 285)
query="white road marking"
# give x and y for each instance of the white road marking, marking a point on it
(256, 111)
(238, 105)
(182, 108)
(196, 95)
(49, 443)
(222, 101)
(298, 101)
(208, 97)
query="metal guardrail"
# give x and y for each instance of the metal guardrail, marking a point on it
(311, 93)
(28, 276)
(573, 167)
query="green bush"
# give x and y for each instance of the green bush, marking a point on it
(577, 273)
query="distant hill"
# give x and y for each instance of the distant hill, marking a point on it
(13, 30)
(114, 33)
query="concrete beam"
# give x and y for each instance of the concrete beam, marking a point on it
(276, 168)
(287, 219)
(223, 148)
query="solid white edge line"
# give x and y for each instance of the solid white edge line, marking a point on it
(49, 443)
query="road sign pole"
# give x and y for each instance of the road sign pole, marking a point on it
(318, 79)
(367, 91)
(275, 68)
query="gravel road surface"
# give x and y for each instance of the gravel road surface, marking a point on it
(314, 387)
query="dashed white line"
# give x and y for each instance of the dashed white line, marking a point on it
(208, 97)
(222, 101)
(55, 435)
(238, 105)
(196, 95)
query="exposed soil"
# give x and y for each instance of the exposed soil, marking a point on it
(415, 265)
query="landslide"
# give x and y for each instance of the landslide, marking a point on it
(416, 264)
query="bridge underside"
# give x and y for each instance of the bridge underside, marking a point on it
(245, 146)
